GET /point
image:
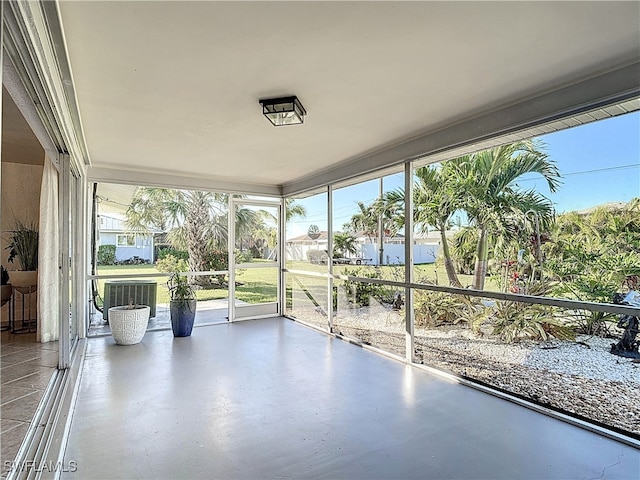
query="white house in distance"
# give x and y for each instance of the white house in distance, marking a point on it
(297, 248)
(425, 249)
(112, 231)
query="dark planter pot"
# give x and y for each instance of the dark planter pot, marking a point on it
(183, 313)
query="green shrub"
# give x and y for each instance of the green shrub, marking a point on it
(218, 260)
(180, 254)
(317, 256)
(244, 257)
(170, 264)
(434, 309)
(360, 293)
(106, 255)
(591, 256)
(513, 321)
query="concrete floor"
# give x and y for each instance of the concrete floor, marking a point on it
(274, 399)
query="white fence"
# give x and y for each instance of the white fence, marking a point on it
(393, 253)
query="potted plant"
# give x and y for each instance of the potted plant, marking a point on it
(23, 246)
(182, 305)
(129, 323)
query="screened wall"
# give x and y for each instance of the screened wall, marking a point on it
(523, 267)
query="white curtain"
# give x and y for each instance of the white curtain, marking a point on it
(48, 280)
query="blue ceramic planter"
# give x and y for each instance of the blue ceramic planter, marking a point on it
(183, 313)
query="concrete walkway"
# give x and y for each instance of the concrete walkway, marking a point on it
(272, 399)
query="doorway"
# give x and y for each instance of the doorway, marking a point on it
(254, 268)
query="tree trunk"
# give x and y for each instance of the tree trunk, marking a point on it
(197, 215)
(482, 254)
(448, 262)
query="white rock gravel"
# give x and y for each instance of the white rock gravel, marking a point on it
(587, 357)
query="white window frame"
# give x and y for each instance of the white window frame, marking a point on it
(127, 236)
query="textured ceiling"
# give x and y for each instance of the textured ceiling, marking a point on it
(173, 87)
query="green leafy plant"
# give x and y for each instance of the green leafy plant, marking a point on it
(513, 321)
(106, 255)
(164, 252)
(243, 257)
(23, 245)
(434, 309)
(591, 255)
(170, 264)
(344, 244)
(361, 293)
(180, 289)
(218, 260)
(317, 256)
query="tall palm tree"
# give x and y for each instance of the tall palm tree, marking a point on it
(196, 221)
(293, 209)
(250, 227)
(366, 220)
(344, 243)
(435, 200)
(490, 194)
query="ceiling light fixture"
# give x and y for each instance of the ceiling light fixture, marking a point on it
(283, 110)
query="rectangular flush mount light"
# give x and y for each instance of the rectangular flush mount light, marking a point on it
(283, 110)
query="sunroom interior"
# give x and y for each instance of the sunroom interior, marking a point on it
(119, 97)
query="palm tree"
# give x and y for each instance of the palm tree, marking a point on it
(344, 243)
(250, 227)
(196, 221)
(435, 200)
(379, 219)
(490, 195)
(366, 220)
(293, 210)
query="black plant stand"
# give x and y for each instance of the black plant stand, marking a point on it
(9, 302)
(28, 324)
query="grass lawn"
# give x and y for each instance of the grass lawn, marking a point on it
(255, 285)
(432, 272)
(260, 285)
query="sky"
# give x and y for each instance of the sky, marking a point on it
(599, 163)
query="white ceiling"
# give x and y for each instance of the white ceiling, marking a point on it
(173, 87)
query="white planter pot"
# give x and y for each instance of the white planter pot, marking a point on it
(128, 326)
(24, 281)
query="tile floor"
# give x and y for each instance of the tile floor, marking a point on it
(26, 368)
